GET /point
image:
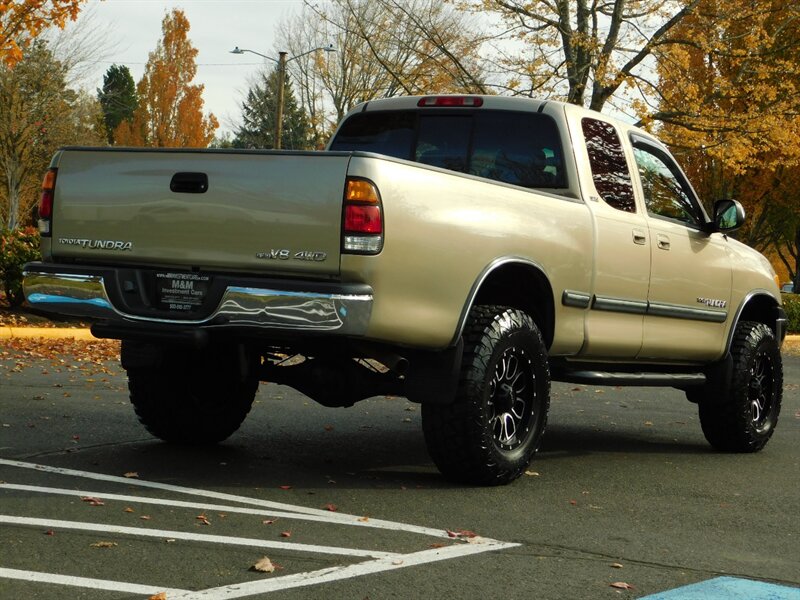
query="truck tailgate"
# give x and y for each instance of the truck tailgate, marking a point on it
(246, 211)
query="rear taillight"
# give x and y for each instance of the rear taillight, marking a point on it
(467, 101)
(46, 202)
(362, 221)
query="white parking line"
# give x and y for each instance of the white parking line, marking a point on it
(381, 561)
(86, 582)
(194, 505)
(330, 517)
(286, 582)
(195, 537)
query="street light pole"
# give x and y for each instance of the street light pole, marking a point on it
(279, 108)
(281, 61)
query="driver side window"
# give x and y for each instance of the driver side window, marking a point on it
(665, 193)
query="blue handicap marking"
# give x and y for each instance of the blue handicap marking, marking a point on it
(729, 588)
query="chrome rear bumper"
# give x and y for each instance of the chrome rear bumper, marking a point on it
(345, 311)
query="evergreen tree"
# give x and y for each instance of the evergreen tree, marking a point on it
(258, 117)
(118, 98)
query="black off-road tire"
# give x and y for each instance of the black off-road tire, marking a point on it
(743, 417)
(193, 397)
(489, 434)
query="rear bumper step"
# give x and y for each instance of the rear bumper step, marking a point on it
(339, 309)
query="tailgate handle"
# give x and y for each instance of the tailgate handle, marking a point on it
(189, 183)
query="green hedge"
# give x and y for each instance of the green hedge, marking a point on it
(791, 304)
(17, 247)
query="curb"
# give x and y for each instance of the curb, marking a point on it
(7, 332)
(51, 333)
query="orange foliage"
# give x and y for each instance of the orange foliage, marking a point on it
(730, 107)
(21, 21)
(170, 111)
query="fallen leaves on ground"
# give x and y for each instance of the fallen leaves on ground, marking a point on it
(461, 533)
(268, 521)
(331, 507)
(616, 565)
(265, 565)
(54, 349)
(131, 475)
(103, 544)
(286, 534)
(621, 585)
(92, 501)
(158, 596)
(203, 519)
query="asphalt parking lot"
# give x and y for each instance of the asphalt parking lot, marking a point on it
(346, 504)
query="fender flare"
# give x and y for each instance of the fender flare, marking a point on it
(496, 264)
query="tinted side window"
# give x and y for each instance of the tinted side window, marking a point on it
(664, 191)
(610, 173)
(383, 132)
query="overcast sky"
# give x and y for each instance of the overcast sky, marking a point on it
(133, 28)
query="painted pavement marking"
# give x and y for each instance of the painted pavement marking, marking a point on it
(330, 517)
(194, 537)
(86, 582)
(380, 561)
(195, 505)
(727, 588)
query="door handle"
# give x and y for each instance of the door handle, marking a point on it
(662, 241)
(639, 237)
(189, 183)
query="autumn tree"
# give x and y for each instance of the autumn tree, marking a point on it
(117, 97)
(729, 105)
(40, 113)
(170, 110)
(257, 129)
(22, 20)
(581, 51)
(384, 48)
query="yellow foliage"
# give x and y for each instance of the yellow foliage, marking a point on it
(21, 21)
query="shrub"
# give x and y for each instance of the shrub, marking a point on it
(791, 304)
(17, 247)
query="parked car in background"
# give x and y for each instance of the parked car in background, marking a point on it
(787, 288)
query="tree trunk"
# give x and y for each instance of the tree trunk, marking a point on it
(13, 191)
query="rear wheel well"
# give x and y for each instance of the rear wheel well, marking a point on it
(524, 287)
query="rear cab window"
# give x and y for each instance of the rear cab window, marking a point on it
(519, 148)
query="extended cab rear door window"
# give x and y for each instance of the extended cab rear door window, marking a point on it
(513, 147)
(610, 173)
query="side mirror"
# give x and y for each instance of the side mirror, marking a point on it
(728, 216)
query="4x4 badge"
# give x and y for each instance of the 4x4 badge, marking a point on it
(713, 302)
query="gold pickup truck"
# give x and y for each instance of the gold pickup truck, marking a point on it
(461, 251)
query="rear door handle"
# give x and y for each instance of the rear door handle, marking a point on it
(639, 237)
(662, 241)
